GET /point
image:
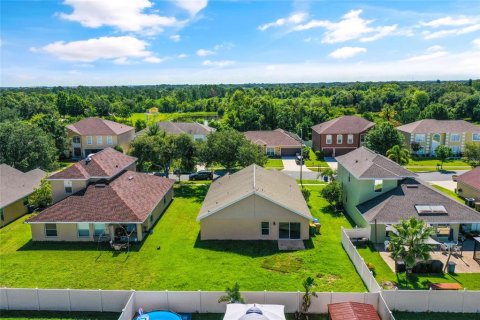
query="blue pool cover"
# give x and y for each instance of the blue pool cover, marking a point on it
(160, 315)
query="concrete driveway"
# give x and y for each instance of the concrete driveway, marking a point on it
(450, 185)
(292, 169)
(439, 175)
(332, 163)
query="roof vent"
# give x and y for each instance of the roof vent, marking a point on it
(88, 158)
(100, 185)
(130, 178)
(412, 186)
(356, 161)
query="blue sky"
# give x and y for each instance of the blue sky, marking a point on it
(132, 42)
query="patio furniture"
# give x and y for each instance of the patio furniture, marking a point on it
(117, 247)
(446, 286)
(444, 248)
(457, 249)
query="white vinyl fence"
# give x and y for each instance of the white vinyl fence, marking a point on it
(358, 262)
(128, 302)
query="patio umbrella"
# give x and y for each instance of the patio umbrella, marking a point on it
(236, 311)
(450, 235)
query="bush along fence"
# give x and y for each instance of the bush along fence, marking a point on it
(462, 301)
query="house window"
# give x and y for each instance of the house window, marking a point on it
(51, 230)
(329, 139)
(475, 136)
(420, 137)
(362, 138)
(339, 139)
(68, 186)
(348, 177)
(455, 150)
(378, 186)
(83, 230)
(289, 230)
(109, 140)
(151, 218)
(164, 200)
(350, 139)
(454, 137)
(76, 139)
(270, 151)
(98, 229)
(99, 140)
(89, 140)
(265, 228)
(442, 230)
(2, 217)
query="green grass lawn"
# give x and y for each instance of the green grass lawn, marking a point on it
(435, 316)
(429, 162)
(152, 118)
(174, 258)
(56, 315)
(383, 273)
(274, 163)
(449, 193)
(305, 181)
(313, 163)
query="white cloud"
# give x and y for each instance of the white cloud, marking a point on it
(450, 22)
(476, 43)
(346, 52)
(124, 15)
(153, 59)
(176, 38)
(205, 52)
(435, 48)
(350, 27)
(192, 6)
(432, 53)
(182, 56)
(217, 64)
(117, 49)
(295, 18)
(428, 35)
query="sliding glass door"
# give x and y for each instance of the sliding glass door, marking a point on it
(289, 230)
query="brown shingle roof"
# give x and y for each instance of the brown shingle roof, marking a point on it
(129, 198)
(400, 202)
(439, 126)
(97, 126)
(363, 163)
(104, 164)
(343, 125)
(15, 184)
(352, 311)
(269, 184)
(471, 178)
(273, 138)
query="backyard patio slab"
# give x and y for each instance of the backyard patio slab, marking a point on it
(290, 245)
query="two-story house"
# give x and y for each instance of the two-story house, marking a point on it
(340, 136)
(431, 133)
(91, 135)
(276, 142)
(102, 198)
(379, 193)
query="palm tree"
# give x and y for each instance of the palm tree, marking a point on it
(232, 295)
(153, 129)
(308, 284)
(410, 242)
(329, 172)
(398, 154)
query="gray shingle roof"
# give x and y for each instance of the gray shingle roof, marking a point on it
(15, 184)
(191, 128)
(364, 163)
(400, 202)
(345, 124)
(439, 126)
(273, 138)
(269, 184)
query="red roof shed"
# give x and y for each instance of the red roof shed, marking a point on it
(352, 311)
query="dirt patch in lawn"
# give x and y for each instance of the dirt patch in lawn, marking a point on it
(283, 263)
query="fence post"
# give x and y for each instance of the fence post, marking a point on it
(69, 300)
(101, 299)
(428, 299)
(168, 302)
(6, 297)
(298, 301)
(463, 299)
(200, 299)
(264, 296)
(38, 300)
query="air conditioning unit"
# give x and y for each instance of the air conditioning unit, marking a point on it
(470, 202)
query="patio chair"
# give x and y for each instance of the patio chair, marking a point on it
(444, 248)
(386, 245)
(457, 250)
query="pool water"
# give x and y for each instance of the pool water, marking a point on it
(159, 315)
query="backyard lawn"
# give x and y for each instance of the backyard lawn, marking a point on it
(429, 164)
(274, 163)
(152, 118)
(56, 315)
(314, 164)
(383, 273)
(174, 258)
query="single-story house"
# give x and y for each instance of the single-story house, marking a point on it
(468, 186)
(104, 165)
(90, 135)
(378, 193)
(15, 187)
(197, 131)
(340, 135)
(123, 209)
(276, 142)
(254, 204)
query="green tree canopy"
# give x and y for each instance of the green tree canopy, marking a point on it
(472, 154)
(443, 153)
(399, 154)
(383, 137)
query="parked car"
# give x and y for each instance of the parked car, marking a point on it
(201, 175)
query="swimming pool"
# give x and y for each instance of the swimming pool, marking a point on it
(159, 315)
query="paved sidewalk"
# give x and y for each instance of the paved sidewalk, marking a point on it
(332, 163)
(450, 185)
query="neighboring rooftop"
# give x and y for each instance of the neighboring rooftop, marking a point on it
(439, 126)
(98, 126)
(15, 185)
(343, 125)
(471, 178)
(278, 137)
(103, 164)
(191, 128)
(364, 163)
(410, 199)
(352, 311)
(129, 198)
(269, 184)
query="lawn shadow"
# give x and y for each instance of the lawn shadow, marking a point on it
(413, 281)
(249, 248)
(191, 191)
(75, 246)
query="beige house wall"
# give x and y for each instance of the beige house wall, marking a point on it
(58, 188)
(466, 191)
(445, 139)
(157, 212)
(242, 221)
(123, 140)
(13, 212)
